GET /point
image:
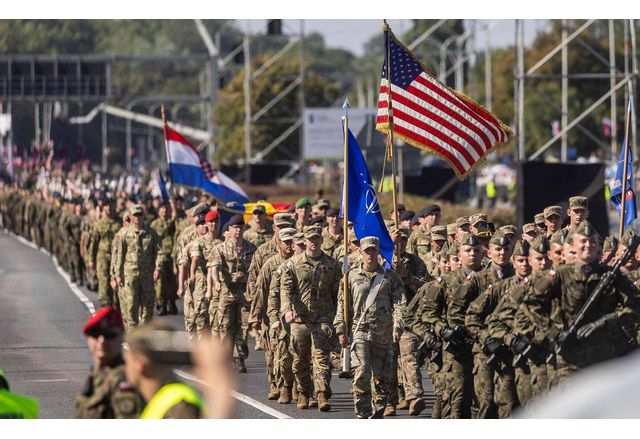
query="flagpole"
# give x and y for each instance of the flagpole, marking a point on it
(623, 191)
(346, 354)
(391, 157)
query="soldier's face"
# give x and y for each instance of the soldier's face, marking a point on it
(538, 261)
(631, 264)
(201, 229)
(286, 247)
(370, 256)
(568, 253)
(162, 211)
(436, 246)
(578, 215)
(313, 244)
(586, 248)
(555, 255)
(454, 262)
(478, 227)
(521, 265)
(135, 219)
(235, 231)
(498, 254)
(332, 220)
(553, 223)
(471, 256)
(401, 245)
(443, 265)
(105, 348)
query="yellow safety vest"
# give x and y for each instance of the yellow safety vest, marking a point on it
(14, 406)
(491, 189)
(167, 397)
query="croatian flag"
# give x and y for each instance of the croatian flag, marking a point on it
(189, 168)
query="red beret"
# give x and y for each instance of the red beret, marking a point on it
(211, 216)
(104, 319)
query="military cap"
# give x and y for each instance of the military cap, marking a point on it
(401, 208)
(529, 228)
(578, 202)
(211, 216)
(104, 320)
(136, 209)
(521, 248)
(282, 219)
(452, 249)
(199, 209)
(125, 216)
(557, 238)
(425, 211)
(298, 238)
(369, 242)
(259, 208)
(199, 220)
(236, 220)
(552, 210)
(452, 229)
(469, 239)
(477, 218)
(610, 243)
(352, 236)
(311, 231)
(287, 234)
(499, 239)
(585, 229)
(407, 215)
(439, 233)
(540, 244)
(627, 238)
(508, 230)
(462, 221)
(323, 204)
(538, 219)
(302, 202)
(332, 211)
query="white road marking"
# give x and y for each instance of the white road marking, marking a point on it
(61, 380)
(239, 396)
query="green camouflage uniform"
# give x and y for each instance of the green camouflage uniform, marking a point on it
(256, 235)
(199, 321)
(166, 285)
(99, 252)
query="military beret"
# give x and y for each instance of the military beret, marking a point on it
(540, 244)
(298, 238)
(477, 218)
(469, 239)
(311, 231)
(369, 242)
(211, 216)
(302, 202)
(291, 208)
(105, 319)
(538, 219)
(521, 248)
(585, 229)
(529, 228)
(552, 210)
(610, 243)
(287, 234)
(452, 229)
(499, 239)
(439, 233)
(508, 230)
(425, 211)
(401, 208)
(453, 249)
(236, 220)
(407, 215)
(259, 208)
(627, 238)
(136, 209)
(199, 220)
(199, 209)
(323, 204)
(332, 211)
(578, 202)
(462, 221)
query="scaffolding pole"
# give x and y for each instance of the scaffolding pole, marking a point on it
(612, 84)
(565, 93)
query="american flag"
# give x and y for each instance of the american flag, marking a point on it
(429, 115)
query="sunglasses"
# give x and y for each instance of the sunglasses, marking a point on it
(109, 335)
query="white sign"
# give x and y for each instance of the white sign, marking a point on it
(5, 124)
(323, 135)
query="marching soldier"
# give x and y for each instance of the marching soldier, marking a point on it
(258, 231)
(102, 234)
(552, 219)
(419, 242)
(577, 212)
(166, 285)
(332, 233)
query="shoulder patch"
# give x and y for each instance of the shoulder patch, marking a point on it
(125, 386)
(438, 279)
(551, 273)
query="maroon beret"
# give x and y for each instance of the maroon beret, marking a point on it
(104, 319)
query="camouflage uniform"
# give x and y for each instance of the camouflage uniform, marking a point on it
(372, 329)
(166, 285)
(74, 232)
(108, 395)
(330, 242)
(420, 244)
(187, 236)
(99, 253)
(256, 235)
(200, 249)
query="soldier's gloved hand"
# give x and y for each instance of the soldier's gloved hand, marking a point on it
(492, 345)
(452, 335)
(585, 331)
(433, 343)
(519, 345)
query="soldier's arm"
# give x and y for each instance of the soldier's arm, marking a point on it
(500, 321)
(92, 247)
(534, 317)
(158, 251)
(288, 288)
(399, 301)
(431, 310)
(478, 311)
(338, 321)
(458, 300)
(121, 245)
(254, 271)
(273, 301)
(260, 294)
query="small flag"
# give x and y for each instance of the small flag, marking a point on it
(630, 211)
(163, 187)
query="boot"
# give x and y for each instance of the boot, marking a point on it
(239, 365)
(378, 414)
(303, 401)
(416, 407)
(273, 392)
(323, 403)
(173, 309)
(294, 393)
(162, 310)
(285, 395)
(402, 404)
(390, 410)
(313, 402)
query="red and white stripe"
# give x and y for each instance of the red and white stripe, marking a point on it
(430, 116)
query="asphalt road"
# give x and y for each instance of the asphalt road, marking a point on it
(43, 351)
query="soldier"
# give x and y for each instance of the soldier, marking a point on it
(577, 212)
(332, 233)
(74, 232)
(165, 286)
(462, 227)
(541, 227)
(569, 287)
(419, 242)
(303, 213)
(99, 252)
(107, 394)
(229, 264)
(451, 233)
(93, 215)
(609, 249)
(438, 238)
(258, 318)
(138, 264)
(258, 231)
(308, 294)
(374, 328)
(405, 219)
(552, 219)
(529, 232)
(478, 223)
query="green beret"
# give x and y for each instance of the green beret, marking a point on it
(302, 202)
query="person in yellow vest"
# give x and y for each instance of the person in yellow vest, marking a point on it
(14, 406)
(151, 373)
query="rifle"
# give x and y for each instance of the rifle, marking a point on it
(604, 284)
